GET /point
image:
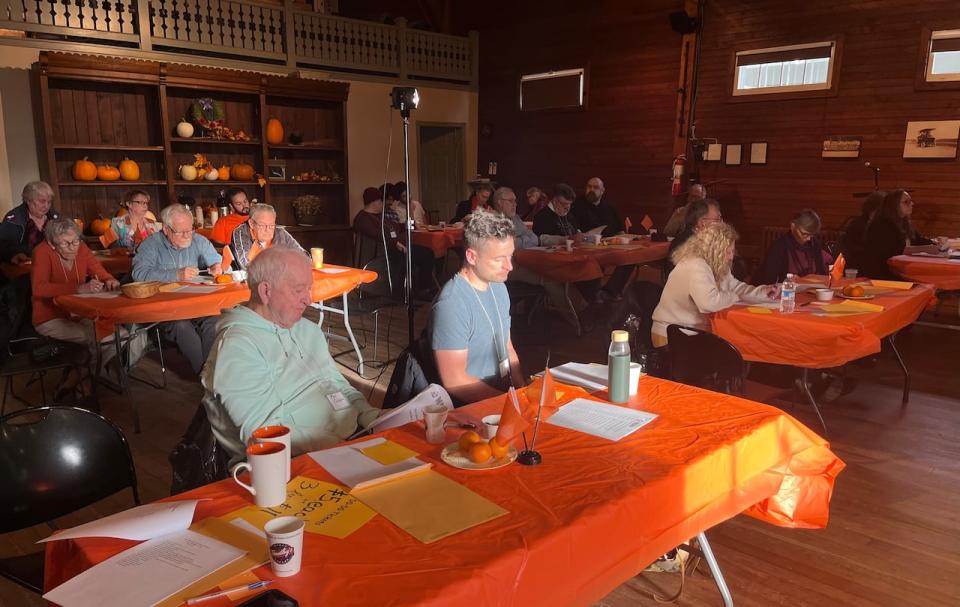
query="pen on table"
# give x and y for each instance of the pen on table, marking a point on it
(214, 595)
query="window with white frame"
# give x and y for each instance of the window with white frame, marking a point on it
(943, 56)
(557, 89)
(801, 67)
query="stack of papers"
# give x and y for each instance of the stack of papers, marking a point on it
(605, 420)
(352, 467)
(589, 376)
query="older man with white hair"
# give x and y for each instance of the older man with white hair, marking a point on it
(269, 365)
(178, 253)
(259, 233)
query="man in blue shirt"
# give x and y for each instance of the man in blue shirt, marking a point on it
(177, 254)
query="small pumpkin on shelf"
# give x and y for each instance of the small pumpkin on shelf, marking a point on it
(224, 173)
(242, 171)
(108, 172)
(84, 170)
(129, 170)
(99, 226)
(188, 172)
(274, 132)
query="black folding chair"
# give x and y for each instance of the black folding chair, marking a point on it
(700, 358)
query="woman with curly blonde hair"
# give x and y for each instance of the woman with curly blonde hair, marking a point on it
(701, 283)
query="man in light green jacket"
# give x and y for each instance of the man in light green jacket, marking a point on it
(269, 365)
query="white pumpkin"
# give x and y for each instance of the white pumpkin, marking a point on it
(188, 172)
(184, 129)
(212, 175)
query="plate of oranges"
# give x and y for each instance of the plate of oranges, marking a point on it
(473, 453)
(855, 292)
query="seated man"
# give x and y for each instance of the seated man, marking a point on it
(593, 210)
(178, 254)
(554, 224)
(22, 228)
(479, 196)
(257, 234)
(799, 252)
(269, 365)
(678, 219)
(470, 322)
(701, 214)
(223, 229)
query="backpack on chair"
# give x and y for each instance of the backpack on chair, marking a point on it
(414, 371)
(198, 459)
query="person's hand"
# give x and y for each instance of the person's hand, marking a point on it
(19, 259)
(111, 285)
(773, 292)
(942, 242)
(93, 286)
(187, 273)
(402, 248)
(216, 269)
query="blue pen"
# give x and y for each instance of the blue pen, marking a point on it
(214, 595)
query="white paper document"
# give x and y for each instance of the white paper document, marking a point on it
(412, 410)
(197, 289)
(147, 573)
(356, 470)
(590, 376)
(810, 286)
(101, 295)
(140, 523)
(334, 270)
(600, 419)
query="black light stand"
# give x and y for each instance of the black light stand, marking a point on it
(406, 98)
(530, 457)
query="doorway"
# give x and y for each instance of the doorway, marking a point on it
(442, 153)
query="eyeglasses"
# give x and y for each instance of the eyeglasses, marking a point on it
(69, 244)
(184, 233)
(265, 226)
(143, 202)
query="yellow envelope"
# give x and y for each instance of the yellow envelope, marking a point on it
(850, 306)
(893, 284)
(326, 508)
(388, 452)
(756, 310)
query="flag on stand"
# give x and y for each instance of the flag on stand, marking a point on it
(227, 259)
(647, 223)
(546, 388)
(513, 422)
(627, 224)
(838, 266)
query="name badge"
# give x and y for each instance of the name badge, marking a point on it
(338, 401)
(504, 367)
(393, 234)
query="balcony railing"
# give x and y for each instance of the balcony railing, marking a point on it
(275, 33)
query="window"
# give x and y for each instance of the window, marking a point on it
(560, 89)
(803, 67)
(943, 56)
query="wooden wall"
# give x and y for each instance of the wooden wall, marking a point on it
(633, 57)
(624, 135)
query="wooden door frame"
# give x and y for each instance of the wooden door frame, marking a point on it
(462, 126)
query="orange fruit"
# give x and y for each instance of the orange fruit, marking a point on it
(468, 439)
(223, 279)
(480, 453)
(853, 291)
(498, 451)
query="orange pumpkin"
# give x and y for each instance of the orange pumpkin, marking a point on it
(242, 172)
(99, 226)
(129, 170)
(223, 279)
(84, 170)
(107, 172)
(274, 132)
(224, 173)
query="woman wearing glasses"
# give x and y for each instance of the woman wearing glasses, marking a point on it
(132, 228)
(889, 233)
(798, 252)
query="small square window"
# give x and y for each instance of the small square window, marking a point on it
(551, 90)
(943, 56)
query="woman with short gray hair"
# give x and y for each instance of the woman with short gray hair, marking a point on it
(798, 252)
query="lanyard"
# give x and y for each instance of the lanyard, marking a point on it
(496, 344)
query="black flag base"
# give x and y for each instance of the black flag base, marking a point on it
(529, 458)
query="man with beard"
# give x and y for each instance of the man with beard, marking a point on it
(225, 226)
(593, 210)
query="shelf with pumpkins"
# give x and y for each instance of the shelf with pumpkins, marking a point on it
(108, 146)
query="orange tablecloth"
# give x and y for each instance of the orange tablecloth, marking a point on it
(587, 263)
(817, 342)
(440, 241)
(590, 517)
(941, 272)
(117, 265)
(181, 306)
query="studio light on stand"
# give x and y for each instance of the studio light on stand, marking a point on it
(405, 99)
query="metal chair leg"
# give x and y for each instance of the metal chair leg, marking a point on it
(715, 569)
(891, 339)
(805, 386)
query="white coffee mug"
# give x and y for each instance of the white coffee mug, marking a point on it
(491, 423)
(266, 463)
(285, 541)
(851, 273)
(276, 434)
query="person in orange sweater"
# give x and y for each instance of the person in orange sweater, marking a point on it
(64, 265)
(225, 225)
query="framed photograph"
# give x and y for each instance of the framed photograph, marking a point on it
(841, 147)
(758, 152)
(931, 139)
(713, 153)
(733, 153)
(277, 170)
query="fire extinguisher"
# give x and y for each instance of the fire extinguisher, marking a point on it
(677, 186)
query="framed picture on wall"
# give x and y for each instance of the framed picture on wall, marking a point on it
(758, 152)
(713, 152)
(733, 153)
(931, 139)
(841, 147)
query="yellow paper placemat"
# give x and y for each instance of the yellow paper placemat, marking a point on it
(756, 310)
(326, 508)
(389, 452)
(218, 529)
(893, 284)
(850, 305)
(429, 506)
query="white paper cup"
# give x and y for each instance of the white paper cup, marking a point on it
(852, 273)
(635, 373)
(824, 294)
(569, 245)
(434, 418)
(491, 423)
(275, 434)
(239, 275)
(285, 541)
(266, 462)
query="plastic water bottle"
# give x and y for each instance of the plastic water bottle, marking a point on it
(618, 367)
(788, 295)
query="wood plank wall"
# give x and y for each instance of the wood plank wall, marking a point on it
(633, 59)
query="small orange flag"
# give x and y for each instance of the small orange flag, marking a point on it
(108, 238)
(545, 388)
(838, 266)
(646, 222)
(227, 258)
(512, 420)
(627, 224)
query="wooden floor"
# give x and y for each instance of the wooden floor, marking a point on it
(894, 533)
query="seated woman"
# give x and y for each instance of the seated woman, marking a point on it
(889, 233)
(701, 283)
(130, 229)
(799, 252)
(64, 265)
(853, 240)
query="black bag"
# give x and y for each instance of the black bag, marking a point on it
(198, 459)
(414, 371)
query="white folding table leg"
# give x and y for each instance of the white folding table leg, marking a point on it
(715, 569)
(353, 340)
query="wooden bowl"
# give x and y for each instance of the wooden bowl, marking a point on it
(141, 290)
